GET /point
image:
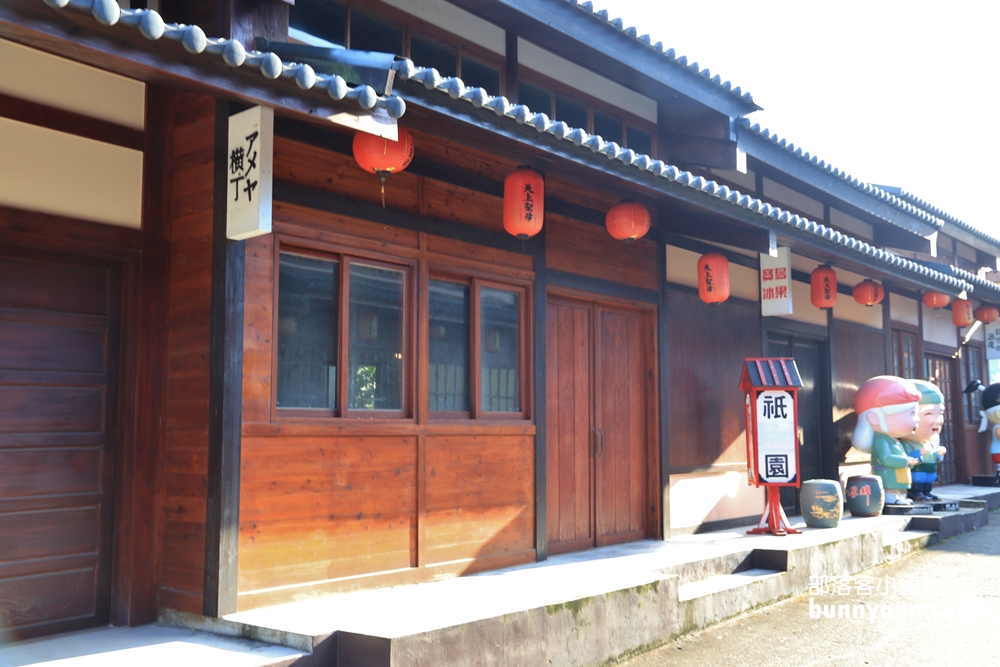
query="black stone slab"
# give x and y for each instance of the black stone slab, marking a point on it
(907, 510)
(985, 480)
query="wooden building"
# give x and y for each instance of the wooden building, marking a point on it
(372, 395)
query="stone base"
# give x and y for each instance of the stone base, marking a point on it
(940, 505)
(986, 480)
(908, 510)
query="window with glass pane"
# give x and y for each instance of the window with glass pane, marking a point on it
(448, 370)
(639, 141)
(324, 19)
(970, 364)
(608, 128)
(480, 75)
(571, 112)
(368, 34)
(501, 356)
(307, 332)
(425, 53)
(375, 349)
(535, 98)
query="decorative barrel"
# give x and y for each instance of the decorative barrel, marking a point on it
(822, 503)
(865, 495)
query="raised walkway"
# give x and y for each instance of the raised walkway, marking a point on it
(584, 608)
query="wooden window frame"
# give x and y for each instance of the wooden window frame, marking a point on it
(476, 281)
(346, 257)
(896, 328)
(965, 373)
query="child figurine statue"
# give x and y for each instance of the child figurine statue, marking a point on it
(990, 416)
(925, 443)
(887, 411)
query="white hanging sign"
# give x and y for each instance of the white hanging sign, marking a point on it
(776, 283)
(992, 340)
(250, 172)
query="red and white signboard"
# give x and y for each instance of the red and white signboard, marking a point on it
(776, 283)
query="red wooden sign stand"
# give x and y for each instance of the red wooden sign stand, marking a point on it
(770, 374)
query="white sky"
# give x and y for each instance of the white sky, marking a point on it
(895, 93)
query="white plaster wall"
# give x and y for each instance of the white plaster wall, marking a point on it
(682, 269)
(56, 82)
(978, 331)
(53, 172)
(456, 21)
(938, 327)
(802, 308)
(784, 195)
(534, 57)
(857, 228)
(699, 497)
(903, 309)
(849, 310)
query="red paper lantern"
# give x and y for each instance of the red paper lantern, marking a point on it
(713, 278)
(523, 203)
(961, 313)
(382, 156)
(987, 314)
(627, 221)
(823, 287)
(868, 292)
(936, 299)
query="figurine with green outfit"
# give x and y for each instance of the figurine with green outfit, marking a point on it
(925, 443)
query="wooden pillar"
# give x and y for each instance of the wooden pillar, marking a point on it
(225, 393)
(663, 388)
(510, 68)
(541, 491)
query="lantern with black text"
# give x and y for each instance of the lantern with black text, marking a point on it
(961, 313)
(713, 278)
(868, 292)
(823, 287)
(382, 156)
(936, 299)
(772, 434)
(627, 221)
(523, 203)
(987, 314)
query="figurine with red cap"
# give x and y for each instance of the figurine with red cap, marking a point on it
(887, 411)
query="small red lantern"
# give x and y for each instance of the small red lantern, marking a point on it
(823, 287)
(523, 203)
(713, 278)
(987, 314)
(627, 221)
(868, 292)
(382, 156)
(936, 299)
(961, 313)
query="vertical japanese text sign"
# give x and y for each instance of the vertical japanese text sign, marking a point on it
(776, 283)
(249, 171)
(771, 387)
(992, 331)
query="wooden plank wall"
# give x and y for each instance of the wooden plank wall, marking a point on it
(185, 462)
(331, 505)
(707, 346)
(858, 354)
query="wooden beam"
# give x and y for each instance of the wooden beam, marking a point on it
(61, 233)
(69, 122)
(715, 229)
(541, 453)
(225, 394)
(690, 151)
(663, 383)
(600, 286)
(510, 66)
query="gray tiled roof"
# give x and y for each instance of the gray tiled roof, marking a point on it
(824, 166)
(668, 54)
(985, 289)
(947, 217)
(479, 98)
(151, 25)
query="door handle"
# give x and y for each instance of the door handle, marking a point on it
(600, 442)
(593, 452)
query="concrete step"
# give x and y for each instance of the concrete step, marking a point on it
(949, 524)
(705, 602)
(897, 544)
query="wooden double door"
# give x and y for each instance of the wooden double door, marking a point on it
(599, 422)
(58, 383)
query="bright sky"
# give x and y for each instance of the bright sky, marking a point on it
(895, 93)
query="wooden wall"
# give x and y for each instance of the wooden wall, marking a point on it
(336, 504)
(706, 348)
(185, 463)
(858, 354)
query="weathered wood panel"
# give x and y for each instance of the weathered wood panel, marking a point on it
(858, 354)
(707, 345)
(588, 250)
(186, 421)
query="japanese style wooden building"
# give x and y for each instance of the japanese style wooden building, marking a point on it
(379, 394)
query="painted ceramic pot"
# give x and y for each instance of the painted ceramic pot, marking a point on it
(822, 503)
(865, 495)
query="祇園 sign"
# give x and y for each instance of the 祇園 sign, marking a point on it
(776, 283)
(771, 387)
(250, 172)
(992, 331)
